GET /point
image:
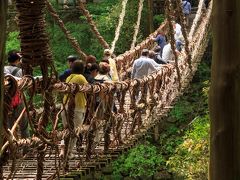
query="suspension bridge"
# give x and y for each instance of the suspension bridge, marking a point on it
(108, 133)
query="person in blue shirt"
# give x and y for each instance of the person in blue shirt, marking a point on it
(68, 72)
(160, 40)
(186, 6)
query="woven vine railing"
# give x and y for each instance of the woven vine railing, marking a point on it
(105, 130)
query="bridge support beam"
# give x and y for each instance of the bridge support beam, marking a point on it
(225, 92)
(3, 27)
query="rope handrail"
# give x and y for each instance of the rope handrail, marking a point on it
(196, 19)
(117, 86)
(64, 88)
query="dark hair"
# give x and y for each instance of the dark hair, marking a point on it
(13, 56)
(78, 67)
(145, 52)
(91, 59)
(157, 49)
(93, 67)
(104, 68)
(72, 58)
(151, 54)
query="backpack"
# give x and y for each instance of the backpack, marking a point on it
(16, 99)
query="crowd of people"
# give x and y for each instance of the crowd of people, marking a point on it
(90, 71)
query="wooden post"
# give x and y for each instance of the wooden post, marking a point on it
(225, 92)
(3, 27)
(150, 15)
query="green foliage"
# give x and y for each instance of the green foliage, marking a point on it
(157, 20)
(106, 16)
(180, 110)
(169, 140)
(104, 8)
(61, 47)
(12, 41)
(142, 160)
(190, 160)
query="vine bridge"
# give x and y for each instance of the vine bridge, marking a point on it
(117, 131)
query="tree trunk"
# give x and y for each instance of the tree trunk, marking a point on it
(150, 15)
(3, 26)
(225, 92)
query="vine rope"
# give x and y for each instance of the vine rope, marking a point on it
(137, 26)
(196, 19)
(92, 25)
(180, 14)
(172, 40)
(67, 33)
(120, 23)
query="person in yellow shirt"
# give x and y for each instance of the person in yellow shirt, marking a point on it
(80, 105)
(112, 63)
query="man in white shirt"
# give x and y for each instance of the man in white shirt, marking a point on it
(178, 36)
(143, 66)
(168, 55)
(178, 31)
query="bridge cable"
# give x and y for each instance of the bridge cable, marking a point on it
(169, 9)
(196, 19)
(179, 13)
(92, 24)
(136, 28)
(67, 33)
(120, 23)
